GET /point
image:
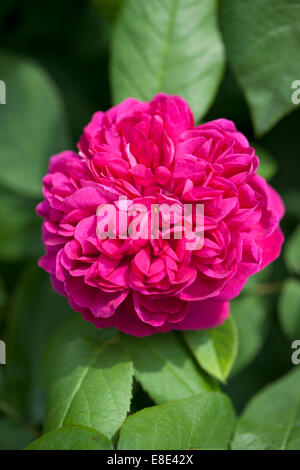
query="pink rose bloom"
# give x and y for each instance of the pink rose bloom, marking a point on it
(152, 153)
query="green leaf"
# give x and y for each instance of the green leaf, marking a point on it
(272, 418)
(292, 250)
(71, 438)
(257, 36)
(215, 349)
(164, 367)
(200, 422)
(259, 281)
(13, 436)
(32, 125)
(172, 46)
(92, 387)
(35, 314)
(20, 235)
(289, 308)
(292, 202)
(3, 297)
(74, 327)
(267, 165)
(251, 319)
(1, 382)
(108, 8)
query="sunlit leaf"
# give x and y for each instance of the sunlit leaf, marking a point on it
(215, 349)
(262, 42)
(71, 438)
(200, 422)
(251, 319)
(165, 368)
(172, 46)
(271, 420)
(74, 327)
(92, 387)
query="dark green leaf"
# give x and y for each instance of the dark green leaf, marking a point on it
(1, 382)
(71, 438)
(262, 41)
(165, 368)
(74, 327)
(291, 252)
(172, 46)
(3, 296)
(251, 319)
(36, 313)
(32, 125)
(289, 308)
(271, 420)
(267, 165)
(215, 349)
(13, 436)
(20, 235)
(258, 281)
(92, 387)
(108, 8)
(200, 422)
(292, 202)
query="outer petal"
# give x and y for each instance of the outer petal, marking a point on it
(249, 265)
(206, 314)
(275, 203)
(101, 304)
(201, 315)
(271, 247)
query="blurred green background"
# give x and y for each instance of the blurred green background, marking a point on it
(54, 59)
